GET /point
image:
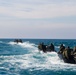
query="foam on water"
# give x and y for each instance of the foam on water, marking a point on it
(1, 41)
(57, 46)
(25, 44)
(34, 60)
(29, 61)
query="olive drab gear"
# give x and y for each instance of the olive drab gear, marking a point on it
(61, 49)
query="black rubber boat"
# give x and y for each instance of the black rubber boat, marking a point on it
(18, 41)
(71, 60)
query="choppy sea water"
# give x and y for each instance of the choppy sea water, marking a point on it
(25, 58)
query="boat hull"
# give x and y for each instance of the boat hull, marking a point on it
(72, 60)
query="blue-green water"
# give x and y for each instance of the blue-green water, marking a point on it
(25, 59)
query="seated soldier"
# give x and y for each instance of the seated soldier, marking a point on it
(43, 47)
(40, 46)
(61, 49)
(74, 50)
(64, 54)
(52, 47)
(68, 57)
(20, 40)
(74, 53)
(67, 53)
(16, 40)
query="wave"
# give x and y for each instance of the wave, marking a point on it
(30, 47)
(26, 44)
(57, 47)
(1, 41)
(35, 60)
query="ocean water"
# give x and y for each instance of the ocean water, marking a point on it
(25, 58)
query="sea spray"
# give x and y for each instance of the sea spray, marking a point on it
(25, 58)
